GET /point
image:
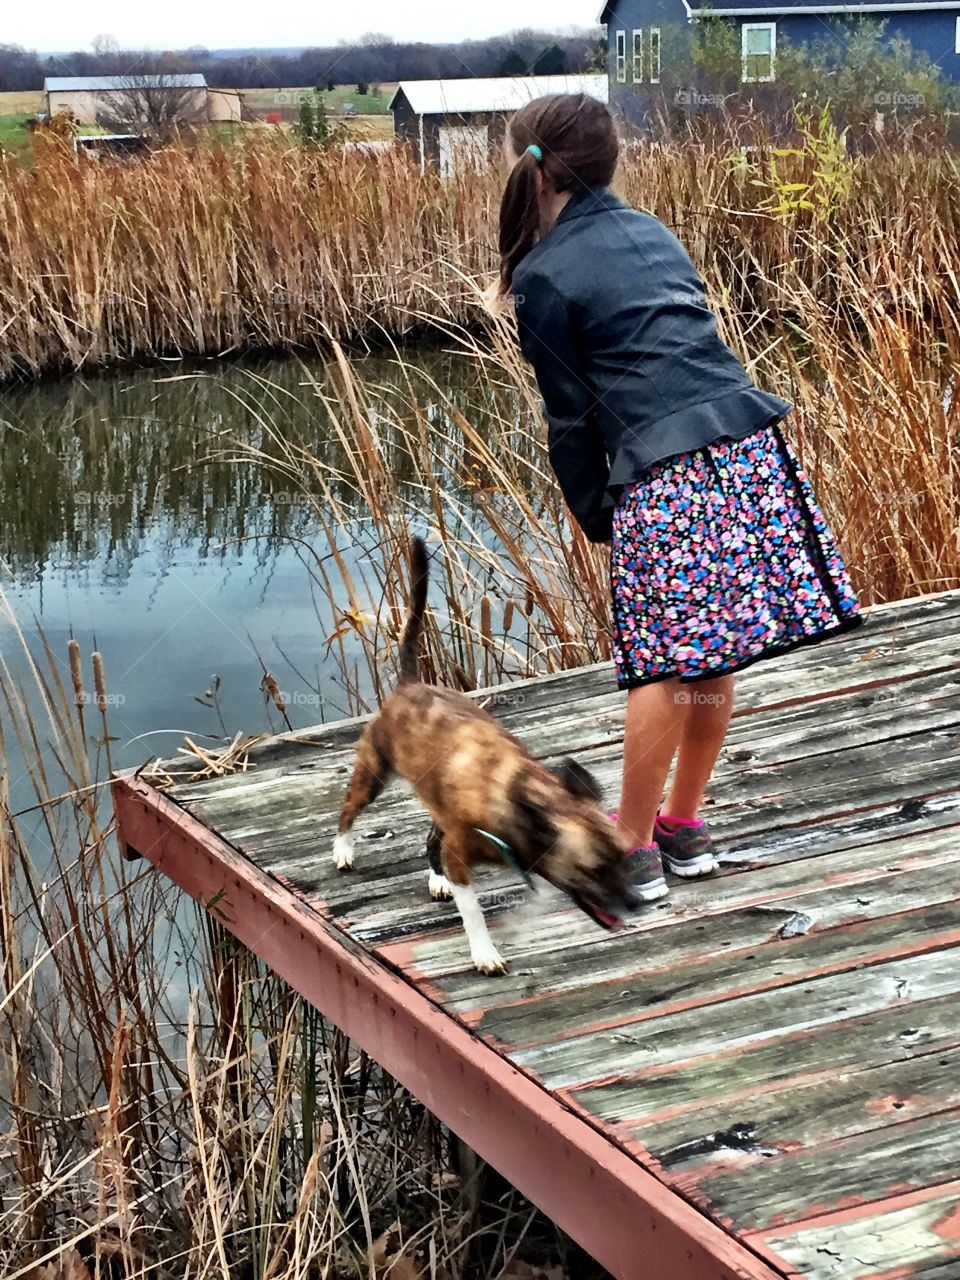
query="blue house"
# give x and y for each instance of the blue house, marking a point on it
(638, 45)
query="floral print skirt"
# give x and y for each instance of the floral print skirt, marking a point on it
(720, 557)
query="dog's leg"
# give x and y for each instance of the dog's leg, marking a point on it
(484, 954)
(371, 772)
(438, 884)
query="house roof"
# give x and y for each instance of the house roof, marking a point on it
(116, 84)
(503, 93)
(783, 8)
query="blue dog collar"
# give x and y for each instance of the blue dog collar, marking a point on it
(509, 856)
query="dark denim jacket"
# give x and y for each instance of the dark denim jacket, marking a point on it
(613, 318)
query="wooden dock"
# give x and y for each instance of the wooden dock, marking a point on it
(760, 1077)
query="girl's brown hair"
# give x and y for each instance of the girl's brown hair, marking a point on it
(578, 139)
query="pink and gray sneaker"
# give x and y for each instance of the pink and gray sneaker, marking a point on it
(645, 879)
(685, 847)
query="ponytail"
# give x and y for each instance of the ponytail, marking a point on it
(571, 138)
(519, 217)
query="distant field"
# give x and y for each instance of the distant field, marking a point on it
(365, 104)
(20, 104)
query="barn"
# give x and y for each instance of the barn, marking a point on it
(455, 124)
(114, 100)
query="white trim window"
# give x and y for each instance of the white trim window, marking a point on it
(654, 55)
(956, 45)
(638, 55)
(621, 57)
(758, 49)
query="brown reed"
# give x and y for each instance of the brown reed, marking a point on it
(265, 245)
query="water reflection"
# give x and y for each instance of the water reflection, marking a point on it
(126, 521)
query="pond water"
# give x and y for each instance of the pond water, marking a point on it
(123, 525)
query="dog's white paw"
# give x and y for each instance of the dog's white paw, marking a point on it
(486, 957)
(440, 887)
(343, 851)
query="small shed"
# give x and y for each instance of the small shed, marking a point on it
(107, 99)
(456, 124)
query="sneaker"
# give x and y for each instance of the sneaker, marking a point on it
(687, 850)
(645, 878)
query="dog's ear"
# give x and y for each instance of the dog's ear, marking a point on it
(581, 784)
(535, 830)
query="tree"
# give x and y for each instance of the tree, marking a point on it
(313, 123)
(19, 70)
(153, 98)
(512, 65)
(551, 62)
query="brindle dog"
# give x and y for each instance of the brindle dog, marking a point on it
(476, 778)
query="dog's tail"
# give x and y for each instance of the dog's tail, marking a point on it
(419, 571)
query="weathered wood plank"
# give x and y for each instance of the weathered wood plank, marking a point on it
(800, 1116)
(744, 1022)
(698, 980)
(769, 1192)
(916, 1236)
(896, 1033)
(278, 817)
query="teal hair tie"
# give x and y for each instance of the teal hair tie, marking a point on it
(536, 152)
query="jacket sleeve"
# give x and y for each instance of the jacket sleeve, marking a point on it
(548, 339)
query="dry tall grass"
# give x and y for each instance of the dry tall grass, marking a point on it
(266, 245)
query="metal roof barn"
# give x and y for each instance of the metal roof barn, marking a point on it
(455, 124)
(117, 84)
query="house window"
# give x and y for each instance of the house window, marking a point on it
(638, 55)
(654, 55)
(621, 56)
(957, 38)
(758, 48)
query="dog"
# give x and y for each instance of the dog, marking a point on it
(489, 798)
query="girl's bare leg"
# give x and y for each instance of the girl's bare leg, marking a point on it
(656, 716)
(704, 730)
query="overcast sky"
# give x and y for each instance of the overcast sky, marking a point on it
(59, 25)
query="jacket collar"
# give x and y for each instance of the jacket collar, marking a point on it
(586, 200)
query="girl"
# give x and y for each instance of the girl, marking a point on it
(664, 448)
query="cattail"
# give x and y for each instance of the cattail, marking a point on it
(466, 683)
(273, 691)
(528, 602)
(486, 631)
(99, 681)
(76, 674)
(507, 615)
